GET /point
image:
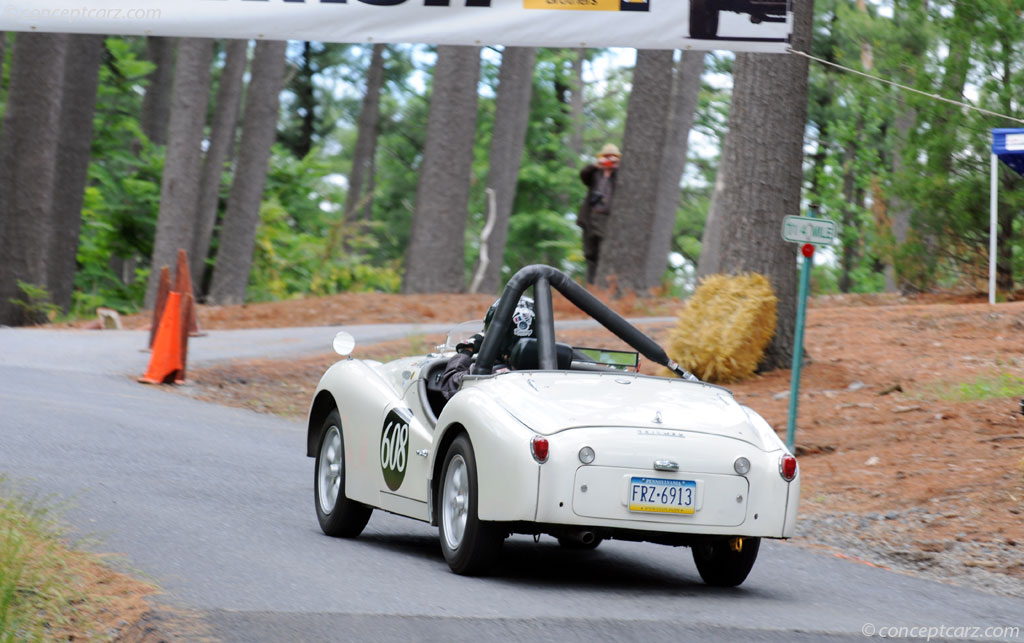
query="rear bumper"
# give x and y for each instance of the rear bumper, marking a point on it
(760, 503)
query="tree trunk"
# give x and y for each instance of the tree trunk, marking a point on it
(78, 105)
(913, 12)
(849, 224)
(156, 106)
(685, 92)
(304, 94)
(634, 200)
(761, 174)
(222, 139)
(259, 130)
(179, 190)
(899, 209)
(512, 114)
(28, 165)
(710, 262)
(359, 200)
(435, 259)
(576, 115)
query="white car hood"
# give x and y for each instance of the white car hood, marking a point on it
(549, 402)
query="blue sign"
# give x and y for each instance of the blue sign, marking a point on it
(1008, 145)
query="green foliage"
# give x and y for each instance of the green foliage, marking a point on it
(301, 246)
(123, 195)
(311, 102)
(883, 151)
(35, 303)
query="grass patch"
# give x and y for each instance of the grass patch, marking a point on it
(33, 597)
(983, 387)
(49, 592)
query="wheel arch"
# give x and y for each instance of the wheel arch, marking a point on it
(451, 432)
(322, 406)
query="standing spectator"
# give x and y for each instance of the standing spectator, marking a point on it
(596, 208)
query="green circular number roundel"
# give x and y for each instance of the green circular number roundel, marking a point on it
(394, 447)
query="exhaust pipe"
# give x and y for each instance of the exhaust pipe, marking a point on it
(584, 537)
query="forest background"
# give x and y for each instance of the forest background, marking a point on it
(305, 168)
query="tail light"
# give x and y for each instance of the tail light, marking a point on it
(787, 467)
(539, 449)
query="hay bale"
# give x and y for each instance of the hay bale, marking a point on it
(725, 327)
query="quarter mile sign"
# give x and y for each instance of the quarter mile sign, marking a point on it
(808, 230)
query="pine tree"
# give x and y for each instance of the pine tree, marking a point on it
(179, 190)
(435, 259)
(28, 166)
(78, 105)
(259, 130)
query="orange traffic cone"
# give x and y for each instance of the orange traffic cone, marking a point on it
(163, 287)
(183, 285)
(166, 364)
(188, 307)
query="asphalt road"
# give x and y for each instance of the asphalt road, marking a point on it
(215, 505)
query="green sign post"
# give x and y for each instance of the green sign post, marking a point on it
(806, 230)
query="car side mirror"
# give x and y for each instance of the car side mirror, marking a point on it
(344, 343)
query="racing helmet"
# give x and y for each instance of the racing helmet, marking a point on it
(521, 326)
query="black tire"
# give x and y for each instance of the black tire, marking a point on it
(576, 545)
(720, 565)
(703, 20)
(476, 549)
(346, 518)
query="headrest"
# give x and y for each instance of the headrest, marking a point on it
(524, 355)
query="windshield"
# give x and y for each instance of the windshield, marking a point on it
(461, 333)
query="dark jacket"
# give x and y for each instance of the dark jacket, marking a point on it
(451, 380)
(594, 211)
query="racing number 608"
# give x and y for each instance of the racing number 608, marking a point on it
(393, 446)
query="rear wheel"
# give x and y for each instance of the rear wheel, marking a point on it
(338, 516)
(470, 545)
(726, 562)
(703, 19)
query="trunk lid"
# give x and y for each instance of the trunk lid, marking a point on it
(550, 402)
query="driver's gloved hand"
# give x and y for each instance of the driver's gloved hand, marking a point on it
(471, 346)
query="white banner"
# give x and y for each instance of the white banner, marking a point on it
(749, 25)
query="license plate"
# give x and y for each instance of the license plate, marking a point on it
(661, 495)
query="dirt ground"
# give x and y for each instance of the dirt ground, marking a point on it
(909, 426)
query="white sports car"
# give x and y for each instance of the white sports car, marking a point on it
(565, 441)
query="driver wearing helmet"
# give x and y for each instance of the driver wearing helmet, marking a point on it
(458, 365)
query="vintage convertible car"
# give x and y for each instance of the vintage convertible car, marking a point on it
(571, 442)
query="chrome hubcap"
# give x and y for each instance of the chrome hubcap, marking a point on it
(455, 502)
(329, 471)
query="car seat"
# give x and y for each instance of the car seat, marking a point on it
(524, 355)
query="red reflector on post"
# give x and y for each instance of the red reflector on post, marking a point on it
(787, 467)
(539, 448)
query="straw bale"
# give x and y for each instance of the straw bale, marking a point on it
(725, 327)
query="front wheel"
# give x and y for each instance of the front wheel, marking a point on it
(338, 516)
(703, 20)
(471, 546)
(726, 562)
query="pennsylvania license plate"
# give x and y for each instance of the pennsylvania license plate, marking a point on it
(661, 495)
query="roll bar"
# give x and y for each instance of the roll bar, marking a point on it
(543, 278)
